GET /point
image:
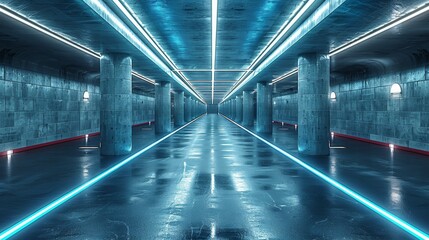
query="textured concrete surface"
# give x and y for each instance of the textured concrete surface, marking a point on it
(179, 108)
(213, 180)
(162, 107)
(248, 112)
(285, 108)
(365, 108)
(264, 107)
(116, 104)
(188, 109)
(313, 104)
(36, 108)
(143, 109)
(239, 109)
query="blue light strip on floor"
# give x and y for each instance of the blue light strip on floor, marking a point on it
(361, 199)
(59, 201)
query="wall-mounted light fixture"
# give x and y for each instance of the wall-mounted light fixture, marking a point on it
(86, 96)
(333, 96)
(395, 89)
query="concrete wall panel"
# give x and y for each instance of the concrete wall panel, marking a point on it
(365, 108)
(36, 108)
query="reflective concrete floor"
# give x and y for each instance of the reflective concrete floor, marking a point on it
(213, 180)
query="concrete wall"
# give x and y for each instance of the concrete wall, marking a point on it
(143, 109)
(212, 109)
(37, 108)
(285, 108)
(365, 108)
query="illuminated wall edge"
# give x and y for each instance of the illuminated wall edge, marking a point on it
(127, 11)
(45, 30)
(324, 10)
(300, 10)
(356, 196)
(380, 29)
(22, 224)
(111, 18)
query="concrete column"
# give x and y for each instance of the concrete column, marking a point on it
(234, 109)
(162, 107)
(231, 113)
(229, 109)
(264, 108)
(116, 104)
(179, 105)
(239, 109)
(192, 108)
(188, 113)
(313, 104)
(248, 114)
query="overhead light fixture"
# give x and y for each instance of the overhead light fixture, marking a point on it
(7, 11)
(407, 227)
(209, 70)
(420, 10)
(395, 89)
(284, 76)
(214, 36)
(110, 17)
(127, 11)
(138, 75)
(333, 96)
(287, 25)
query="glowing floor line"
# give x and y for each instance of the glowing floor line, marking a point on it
(59, 201)
(361, 199)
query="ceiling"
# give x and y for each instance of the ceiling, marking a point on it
(183, 29)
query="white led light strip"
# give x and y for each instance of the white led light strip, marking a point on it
(364, 37)
(380, 29)
(369, 35)
(214, 36)
(19, 226)
(301, 10)
(111, 18)
(356, 196)
(8, 12)
(127, 11)
(5, 10)
(284, 76)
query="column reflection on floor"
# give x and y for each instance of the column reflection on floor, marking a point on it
(212, 180)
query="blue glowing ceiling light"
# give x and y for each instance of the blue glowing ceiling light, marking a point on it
(284, 76)
(45, 30)
(287, 25)
(356, 196)
(110, 17)
(214, 36)
(408, 16)
(127, 11)
(385, 27)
